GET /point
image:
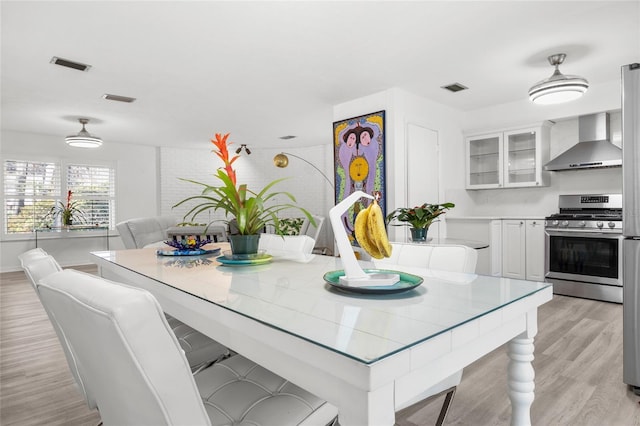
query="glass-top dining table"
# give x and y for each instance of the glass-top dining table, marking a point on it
(367, 354)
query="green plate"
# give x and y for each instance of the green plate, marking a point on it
(407, 282)
(259, 259)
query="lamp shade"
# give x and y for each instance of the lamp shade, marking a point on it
(281, 160)
(83, 139)
(559, 87)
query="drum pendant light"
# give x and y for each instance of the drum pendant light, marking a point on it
(83, 139)
(559, 87)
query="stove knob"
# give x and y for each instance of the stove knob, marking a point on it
(599, 224)
(554, 223)
(612, 225)
(583, 223)
(565, 223)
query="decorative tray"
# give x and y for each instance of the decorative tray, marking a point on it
(407, 282)
(195, 252)
(229, 259)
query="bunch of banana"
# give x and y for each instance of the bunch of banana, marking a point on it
(371, 233)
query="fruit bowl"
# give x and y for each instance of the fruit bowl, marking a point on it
(189, 243)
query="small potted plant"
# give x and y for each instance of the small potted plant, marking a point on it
(250, 211)
(67, 212)
(419, 218)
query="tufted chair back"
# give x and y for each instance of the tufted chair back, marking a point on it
(444, 257)
(39, 265)
(125, 350)
(273, 243)
(143, 231)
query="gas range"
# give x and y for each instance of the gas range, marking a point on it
(588, 213)
(583, 247)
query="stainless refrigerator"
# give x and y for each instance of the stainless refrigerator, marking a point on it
(631, 224)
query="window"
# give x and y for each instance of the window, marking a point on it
(32, 188)
(93, 187)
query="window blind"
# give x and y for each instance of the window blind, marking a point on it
(30, 190)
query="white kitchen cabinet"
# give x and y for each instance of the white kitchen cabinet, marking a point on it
(496, 247)
(513, 249)
(510, 158)
(534, 235)
(484, 161)
(523, 249)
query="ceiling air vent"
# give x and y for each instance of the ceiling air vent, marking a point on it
(455, 87)
(118, 98)
(70, 64)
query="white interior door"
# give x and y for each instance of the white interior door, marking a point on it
(423, 171)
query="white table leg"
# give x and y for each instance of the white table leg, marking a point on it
(521, 379)
(368, 408)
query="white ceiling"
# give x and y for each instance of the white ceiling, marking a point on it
(262, 70)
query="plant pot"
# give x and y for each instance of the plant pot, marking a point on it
(244, 244)
(419, 235)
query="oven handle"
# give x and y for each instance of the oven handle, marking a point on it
(569, 233)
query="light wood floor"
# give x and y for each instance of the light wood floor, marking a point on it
(578, 370)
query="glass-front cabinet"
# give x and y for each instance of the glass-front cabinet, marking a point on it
(485, 161)
(509, 158)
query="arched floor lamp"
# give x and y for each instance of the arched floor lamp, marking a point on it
(281, 160)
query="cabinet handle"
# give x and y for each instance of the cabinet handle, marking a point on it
(521, 223)
(534, 223)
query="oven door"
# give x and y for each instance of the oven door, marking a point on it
(584, 256)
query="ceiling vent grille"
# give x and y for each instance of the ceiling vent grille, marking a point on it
(70, 64)
(118, 98)
(455, 87)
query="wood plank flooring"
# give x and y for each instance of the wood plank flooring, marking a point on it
(578, 368)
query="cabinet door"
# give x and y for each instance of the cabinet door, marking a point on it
(513, 249)
(496, 248)
(535, 250)
(521, 157)
(484, 161)
(525, 153)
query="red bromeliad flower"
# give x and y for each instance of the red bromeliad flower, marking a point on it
(69, 199)
(221, 143)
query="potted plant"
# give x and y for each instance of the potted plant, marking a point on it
(67, 212)
(419, 218)
(249, 211)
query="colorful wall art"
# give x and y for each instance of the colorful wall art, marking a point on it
(358, 152)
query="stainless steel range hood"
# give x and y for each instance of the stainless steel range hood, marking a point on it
(593, 149)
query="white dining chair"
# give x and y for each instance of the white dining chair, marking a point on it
(446, 258)
(36, 266)
(309, 229)
(302, 244)
(129, 356)
(144, 232)
(27, 256)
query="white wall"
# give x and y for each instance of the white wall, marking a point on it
(136, 191)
